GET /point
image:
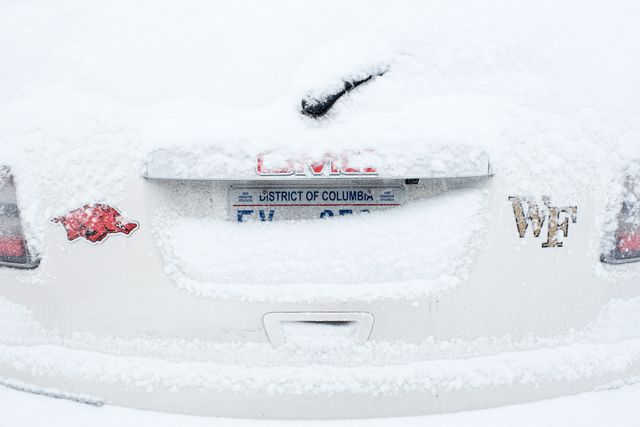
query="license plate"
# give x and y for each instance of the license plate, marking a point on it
(290, 202)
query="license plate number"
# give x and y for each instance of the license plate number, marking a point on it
(273, 203)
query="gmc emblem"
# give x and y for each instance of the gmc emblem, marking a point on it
(330, 164)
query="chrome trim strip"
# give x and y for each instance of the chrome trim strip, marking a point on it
(29, 265)
(610, 259)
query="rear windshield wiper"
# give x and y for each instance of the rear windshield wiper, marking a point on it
(315, 107)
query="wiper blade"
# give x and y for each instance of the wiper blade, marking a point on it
(315, 107)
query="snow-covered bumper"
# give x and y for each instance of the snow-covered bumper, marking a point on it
(436, 306)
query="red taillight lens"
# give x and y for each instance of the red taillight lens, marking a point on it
(627, 244)
(13, 250)
(11, 247)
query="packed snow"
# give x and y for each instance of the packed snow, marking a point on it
(289, 261)
(548, 91)
(607, 348)
(617, 407)
(88, 91)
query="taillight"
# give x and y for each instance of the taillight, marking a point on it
(13, 248)
(627, 238)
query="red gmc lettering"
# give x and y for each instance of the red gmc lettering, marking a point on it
(317, 168)
(262, 170)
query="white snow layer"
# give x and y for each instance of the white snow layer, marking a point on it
(610, 345)
(89, 90)
(368, 256)
(549, 90)
(611, 408)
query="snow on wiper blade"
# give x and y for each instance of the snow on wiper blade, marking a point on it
(318, 105)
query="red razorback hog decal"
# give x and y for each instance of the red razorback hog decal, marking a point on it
(94, 222)
(330, 164)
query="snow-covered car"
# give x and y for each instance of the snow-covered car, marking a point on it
(217, 209)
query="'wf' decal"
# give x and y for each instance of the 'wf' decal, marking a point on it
(558, 219)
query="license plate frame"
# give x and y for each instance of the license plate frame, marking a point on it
(276, 201)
